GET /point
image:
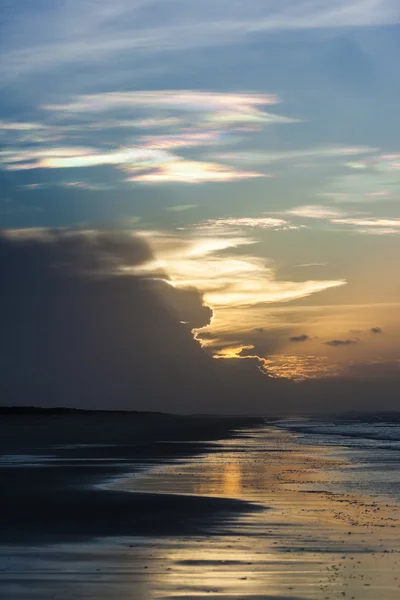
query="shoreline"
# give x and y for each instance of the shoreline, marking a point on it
(350, 541)
(298, 543)
(61, 493)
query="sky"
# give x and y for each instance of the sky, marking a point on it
(206, 190)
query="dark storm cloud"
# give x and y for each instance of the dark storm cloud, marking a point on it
(335, 343)
(299, 338)
(75, 332)
(376, 330)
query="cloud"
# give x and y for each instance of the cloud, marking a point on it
(190, 171)
(299, 338)
(378, 231)
(182, 100)
(372, 179)
(312, 211)
(66, 158)
(20, 126)
(81, 328)
(185, 119)
(232, 223)
(195, 258)
(313, 264)
(251, 117)
(359, 224)
(180, 140)
(84, 185)
(77, 332)
(371, 225)
(372, 330)
(94, 34)
(369, 222)
(323, 152)
(190, 118)
(301, 368)
(337, 343)
(181, 207)
(84, 325)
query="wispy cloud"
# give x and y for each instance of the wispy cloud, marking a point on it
(183, 100)
(246, 223)
(92, 32)
(85, 185)
(227, 279)
(322, 152)
(20, 126)
(180, 140)
(181, 207)
(350, 221)
(315, 211)
(313, 264)
(64, 158)
(185, 119)
(370, 225)
(372, 179)
(190, 171)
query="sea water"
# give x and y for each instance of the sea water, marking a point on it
(369, 443)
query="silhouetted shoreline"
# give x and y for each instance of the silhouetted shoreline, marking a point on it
(65, 410)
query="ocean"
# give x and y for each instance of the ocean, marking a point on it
(369, 443)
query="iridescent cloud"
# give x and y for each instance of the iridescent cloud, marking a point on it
(186, 100)
(185, 119)
(62, 158)
(191, 171)
(374, 179)
(180, 140)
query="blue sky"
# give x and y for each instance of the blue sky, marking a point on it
(255, 145)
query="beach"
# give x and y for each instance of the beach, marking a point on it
(259, 509)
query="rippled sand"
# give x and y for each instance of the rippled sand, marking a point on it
(302, 542)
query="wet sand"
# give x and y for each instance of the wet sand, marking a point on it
(205, 539)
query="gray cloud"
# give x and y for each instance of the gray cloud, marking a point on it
(335, 343)
(75, 331)
(376, 330)
(299, 338)
(78, 331)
